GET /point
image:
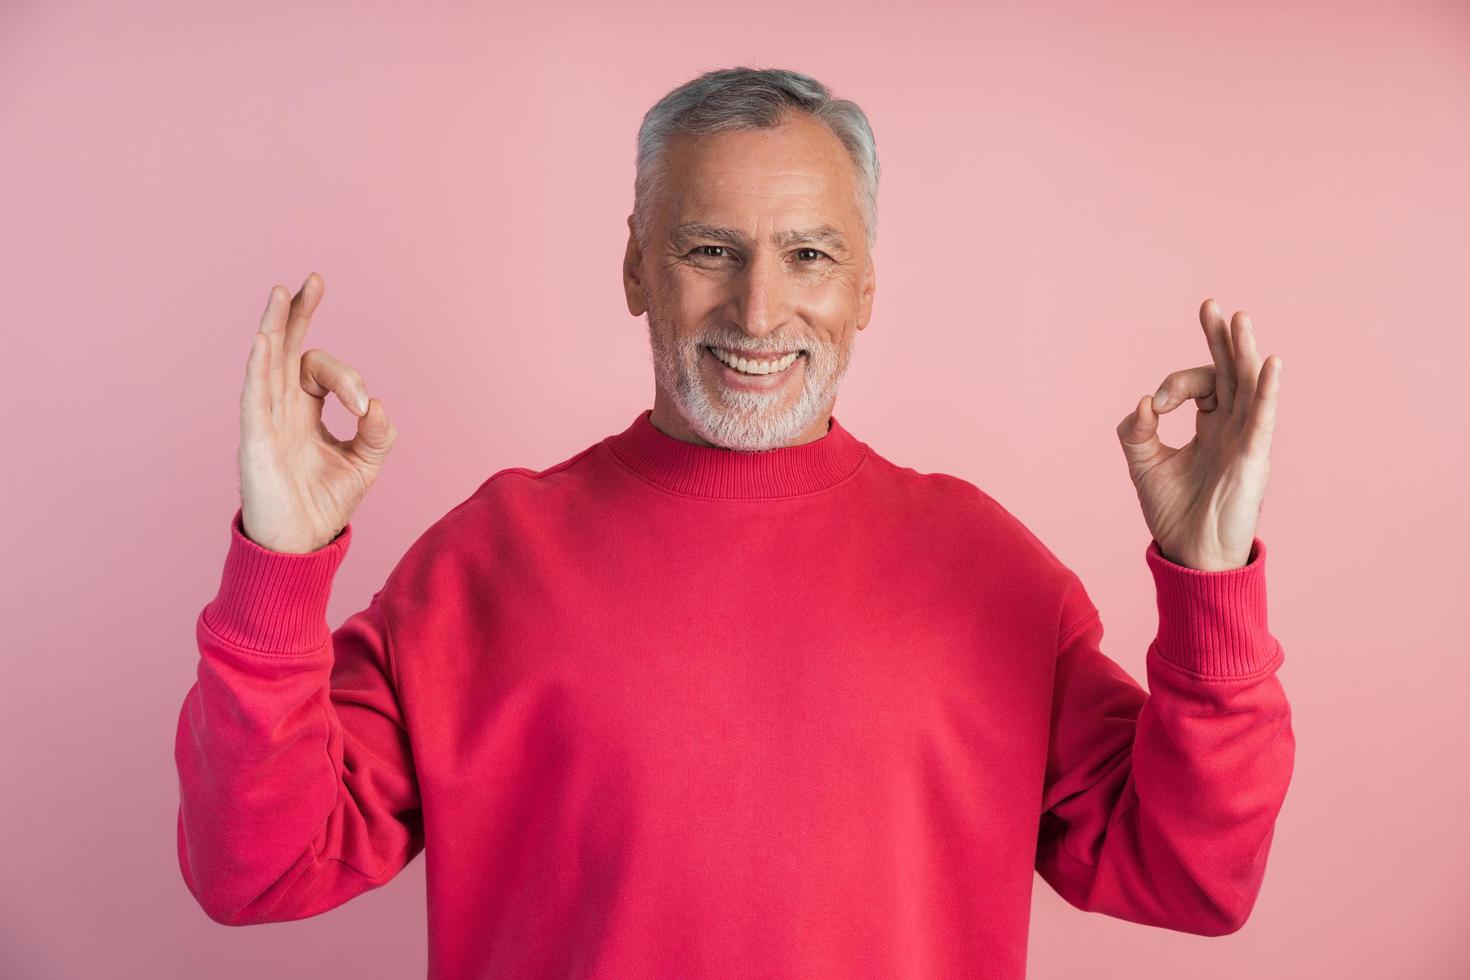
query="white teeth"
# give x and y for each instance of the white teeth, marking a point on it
(756, 367)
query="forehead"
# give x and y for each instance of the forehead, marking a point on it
(798, 171)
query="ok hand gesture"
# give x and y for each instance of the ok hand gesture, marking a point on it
(299, 485)
(1202, 500)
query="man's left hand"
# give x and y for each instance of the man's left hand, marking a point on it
(1202, 500)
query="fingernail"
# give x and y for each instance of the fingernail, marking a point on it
(1161, 398)
(362, 402)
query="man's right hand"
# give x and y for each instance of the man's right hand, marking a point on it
(299, 485)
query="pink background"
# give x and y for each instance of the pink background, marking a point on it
(1062, 186)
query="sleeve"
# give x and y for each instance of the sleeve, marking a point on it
(297, 789)
(1159, 806)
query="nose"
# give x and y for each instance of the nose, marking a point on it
(760, 295)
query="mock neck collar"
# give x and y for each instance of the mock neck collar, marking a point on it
(712, 471)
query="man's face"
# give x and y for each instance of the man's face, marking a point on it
(756, 250)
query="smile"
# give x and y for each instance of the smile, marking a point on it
(754, 364)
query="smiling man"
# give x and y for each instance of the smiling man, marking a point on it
(728, 693)
(758, 276)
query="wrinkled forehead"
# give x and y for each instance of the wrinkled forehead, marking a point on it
(798, 172)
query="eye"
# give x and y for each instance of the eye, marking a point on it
(699, 250)
(813, 251)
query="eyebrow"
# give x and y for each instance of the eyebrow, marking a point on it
(824, 234)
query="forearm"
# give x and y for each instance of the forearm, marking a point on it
(1160, 808)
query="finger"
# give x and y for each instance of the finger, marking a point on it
(273, 325)
(1139, 434)
(255, 396)
(321, 373)
(1260, 423)
(1180, 386)
(1247, 361)
(303, 306)
(1217, 333)
(375, 434)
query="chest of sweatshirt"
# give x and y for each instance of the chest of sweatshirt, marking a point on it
(722, 664)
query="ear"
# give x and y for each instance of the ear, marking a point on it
(865, 299)
(633, 274)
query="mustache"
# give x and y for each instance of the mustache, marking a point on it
(745, 346)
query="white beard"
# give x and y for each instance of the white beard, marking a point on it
(746, 420)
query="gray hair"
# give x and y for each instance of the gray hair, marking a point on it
(750, 98)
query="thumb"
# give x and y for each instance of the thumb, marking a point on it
(375, 434)
(1139, 432)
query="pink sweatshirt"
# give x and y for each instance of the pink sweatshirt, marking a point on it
(667, 710)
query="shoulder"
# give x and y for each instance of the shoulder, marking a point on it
(521, 482)
(507, 502)
(974, 520)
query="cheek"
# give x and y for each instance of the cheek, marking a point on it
(831, 308)
(687, 295)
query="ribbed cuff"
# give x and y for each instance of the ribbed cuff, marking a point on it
(274, 602)
(1213, 623)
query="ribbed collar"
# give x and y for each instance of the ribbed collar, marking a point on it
(711, 471)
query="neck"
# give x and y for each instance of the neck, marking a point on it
(666, 418)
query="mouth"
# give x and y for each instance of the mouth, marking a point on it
(755, 365)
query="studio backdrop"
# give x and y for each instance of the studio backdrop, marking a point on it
(1062, 185)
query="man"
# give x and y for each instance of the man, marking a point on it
(728, 694)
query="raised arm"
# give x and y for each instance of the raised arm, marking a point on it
(297, 788)
(1159, 806)
(296, 783)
